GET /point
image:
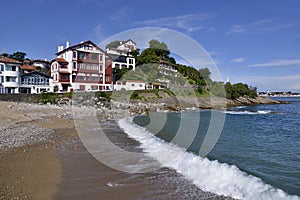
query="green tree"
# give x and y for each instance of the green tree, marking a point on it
(119, 73)
(148, 56)
(161, 49)
(20, 56)
(113, 44)
(205, 73)
(228, 89)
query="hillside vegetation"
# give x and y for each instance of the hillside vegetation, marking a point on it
(200, 80)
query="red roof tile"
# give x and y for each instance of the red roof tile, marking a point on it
(28, 67)
(61, 60)
(9, 60)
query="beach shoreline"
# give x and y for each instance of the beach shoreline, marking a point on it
(58, 166)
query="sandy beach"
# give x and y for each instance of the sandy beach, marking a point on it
(42, 157)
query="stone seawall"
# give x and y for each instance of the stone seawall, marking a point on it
(28, 98)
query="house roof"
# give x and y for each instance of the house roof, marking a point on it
(35, 72)
(9, 60)
(59, 60)
(168, 63)
(135, 81)
(41, 60)
(77, 45)
(27, 67)
(129, 40)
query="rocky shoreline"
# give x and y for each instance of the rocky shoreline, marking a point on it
(173, 104)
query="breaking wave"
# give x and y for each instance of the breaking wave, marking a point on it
(208, 175)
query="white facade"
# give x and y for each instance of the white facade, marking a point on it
(35, 83)
(41, 63)
(130, 63)
(122, 57)
(130, 85)
(167, 68)
(9, 75)
(125, 48)
(82, 67)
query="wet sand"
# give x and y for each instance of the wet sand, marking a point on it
(61, 167)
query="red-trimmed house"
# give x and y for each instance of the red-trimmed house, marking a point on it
(81, 67)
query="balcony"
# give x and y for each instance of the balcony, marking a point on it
(86, 81)
(64, 80)
(11, 84)
(11, 73)
(63, 70)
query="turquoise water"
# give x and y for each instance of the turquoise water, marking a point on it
(262, 141)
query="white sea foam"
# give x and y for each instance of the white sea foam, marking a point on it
(246, 112)
(212, 176)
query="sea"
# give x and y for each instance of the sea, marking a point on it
(256, 155)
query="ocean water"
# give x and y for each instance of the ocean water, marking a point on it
(257, 155)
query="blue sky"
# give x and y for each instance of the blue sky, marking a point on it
(256, 42)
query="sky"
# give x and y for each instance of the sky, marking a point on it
(254, 42)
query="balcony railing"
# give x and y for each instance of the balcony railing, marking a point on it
(86, 81)
(64, 80)
(89, 60)
(63, 70)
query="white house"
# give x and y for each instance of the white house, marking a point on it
(82, 67)
(122, 54)
(9, 75)
(130, 85)
(167, 68)
(124, 48)
(41, 63)
(35, 83)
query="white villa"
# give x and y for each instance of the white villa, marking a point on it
(82, 67)
(41, 63)
(130, 85)
(9, 75)
(35, 83)
(122, 57)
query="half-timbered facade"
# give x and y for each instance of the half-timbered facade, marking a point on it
(82, 67)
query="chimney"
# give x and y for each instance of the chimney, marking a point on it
(60, 48)
(67, 44)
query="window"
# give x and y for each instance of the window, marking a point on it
(101, 68)
(132, 85)
(81, 55)
(100, 57)
(1, 68)
(74, 65)
(88, 47)
(74, 54)
(141, 85)
(81, 87)
(94, 56)
(94, 87)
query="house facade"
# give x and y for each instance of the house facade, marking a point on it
(130, 85)
(42, 64)
(122, 54)
(35, 83)
(9, 75)
(82, 67)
